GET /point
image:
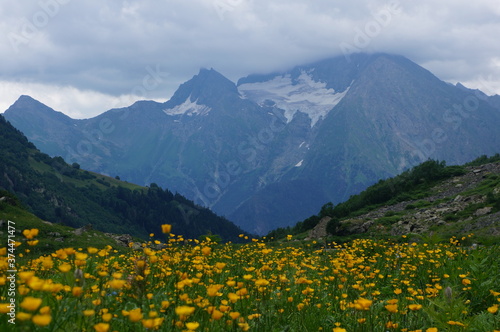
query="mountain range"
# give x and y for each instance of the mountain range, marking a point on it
(271, 149)
(59, 193)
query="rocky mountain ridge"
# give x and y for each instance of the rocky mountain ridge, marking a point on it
(455, 205)
(272, 149)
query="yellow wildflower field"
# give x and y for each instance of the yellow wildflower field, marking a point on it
(191, 285)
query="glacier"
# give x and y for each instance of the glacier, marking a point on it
(306, 95)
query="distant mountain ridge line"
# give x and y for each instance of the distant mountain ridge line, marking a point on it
(246, 160)
(60, 193)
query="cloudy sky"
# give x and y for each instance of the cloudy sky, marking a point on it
(85, 57)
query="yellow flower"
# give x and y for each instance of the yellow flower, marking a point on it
(81, 256)
(92, 250)
(166, 228)
(216, 314)
(339, 329)
(117, 283)
(31, 303)
(213, 290)
(493, 309)
(89, 312)
(391, 325)
(22, 316)
(135, 315)
(77, 291)
(192, 325)
(42, 320)
(44, 310)
(152, 323)
(64, 267)
(414, 307)
(107, 317)
(392, 308)
(244, 326)
(362, 304)
(30, 233)
(26, 275)
(101, 327)
(432, 329)
(234, 315)
(4, 308)
(261, 282)
(206, 251)
(184, 310)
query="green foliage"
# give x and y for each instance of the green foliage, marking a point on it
(52, 236)
(310, 223)
(417, 205)
(484, 159)
(61, 193)
(388, 221)
(410, 185)
(333, 226)
(214, 238)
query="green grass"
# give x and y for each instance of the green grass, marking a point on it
(287, 286)
(49, 232)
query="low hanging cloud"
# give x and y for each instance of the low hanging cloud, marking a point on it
(83, 57)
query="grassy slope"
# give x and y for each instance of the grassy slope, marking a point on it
(415, 206)
(49, 232)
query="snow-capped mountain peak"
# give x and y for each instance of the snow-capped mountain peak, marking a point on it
(302, 94)
(188, 108)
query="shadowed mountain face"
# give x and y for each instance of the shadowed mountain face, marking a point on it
(61, 193)
(272, 149)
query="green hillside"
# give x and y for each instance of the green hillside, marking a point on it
(64, 194)
(429, 199)
(51, 236)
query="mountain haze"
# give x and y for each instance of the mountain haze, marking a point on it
(272, 149)
(60, 193)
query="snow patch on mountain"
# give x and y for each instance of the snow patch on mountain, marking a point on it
(305, 95)
(189, 108)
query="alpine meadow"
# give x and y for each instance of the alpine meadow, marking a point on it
(249, 165)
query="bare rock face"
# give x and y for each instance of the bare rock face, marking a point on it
(483, 211)
(319, 231)
(121, 239)
(84, 229)
(440, 208)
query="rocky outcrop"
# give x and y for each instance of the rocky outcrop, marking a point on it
(444, 206)
(123, 240)
(319, 231)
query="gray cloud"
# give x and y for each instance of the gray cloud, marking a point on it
(107, 48)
